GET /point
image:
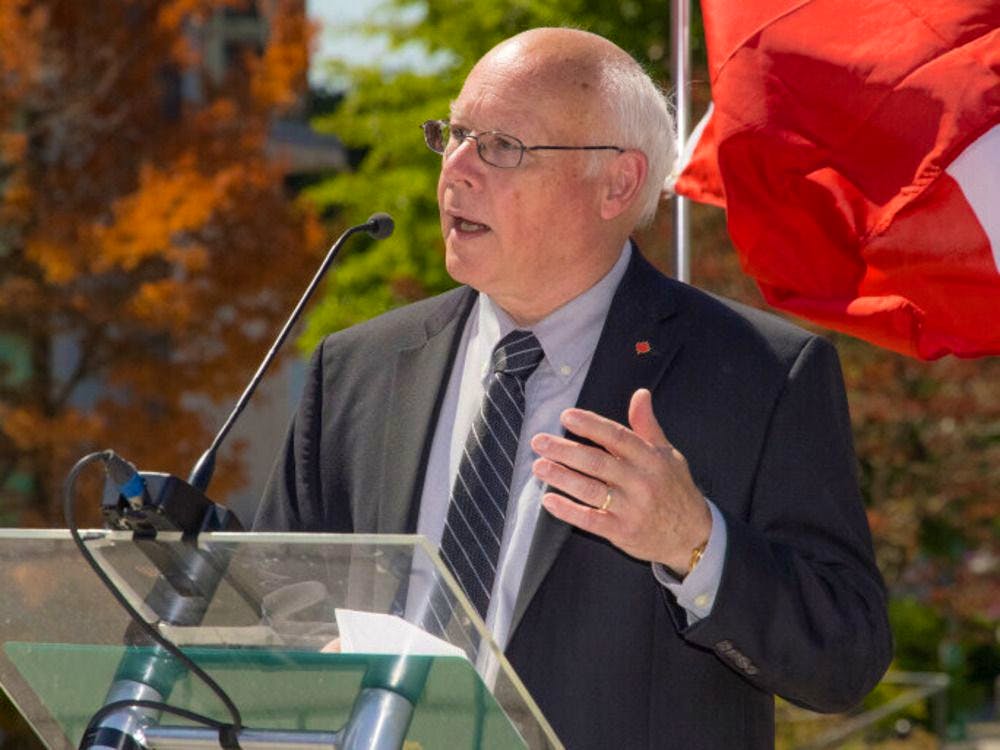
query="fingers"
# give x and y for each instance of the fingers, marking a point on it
(592, 468)
(586, 472)
(656, 511)
(333, 647)
(643, 420)
(583, 517)
(629, 444)
(586, 489)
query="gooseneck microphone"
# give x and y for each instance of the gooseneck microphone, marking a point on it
(379, 227)
(147, 503)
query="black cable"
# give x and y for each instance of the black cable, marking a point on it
(166, 708)
(232, 729)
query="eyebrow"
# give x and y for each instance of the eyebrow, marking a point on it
(460, 120)
(463, 123)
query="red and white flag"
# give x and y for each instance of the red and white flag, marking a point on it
(855, 145)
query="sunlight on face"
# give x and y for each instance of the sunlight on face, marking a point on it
(525, 236)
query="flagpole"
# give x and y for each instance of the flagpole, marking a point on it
(681, 33)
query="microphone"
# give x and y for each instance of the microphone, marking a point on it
(379, 226)
(129, 483)
(146, 503)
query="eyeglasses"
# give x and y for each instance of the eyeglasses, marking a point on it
(495, 148)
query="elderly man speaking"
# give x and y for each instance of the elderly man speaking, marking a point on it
(647, 492)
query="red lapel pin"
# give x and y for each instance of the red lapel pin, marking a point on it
(642, 347)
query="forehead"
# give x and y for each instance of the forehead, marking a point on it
(525, 96)
(498, 102)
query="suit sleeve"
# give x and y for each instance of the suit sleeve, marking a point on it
(800, 610)
(293, 499)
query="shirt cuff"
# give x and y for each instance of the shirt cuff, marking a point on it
(696, 593)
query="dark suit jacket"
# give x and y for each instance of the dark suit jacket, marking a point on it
(757, 407)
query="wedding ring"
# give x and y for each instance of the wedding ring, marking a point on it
(607, 500)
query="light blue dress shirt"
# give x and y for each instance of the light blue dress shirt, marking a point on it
(568, 337)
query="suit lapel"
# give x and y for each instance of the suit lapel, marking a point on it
(622, 363)
(413, 410)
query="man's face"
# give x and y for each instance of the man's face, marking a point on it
(523, 235)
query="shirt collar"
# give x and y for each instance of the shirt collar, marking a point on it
(569, 334)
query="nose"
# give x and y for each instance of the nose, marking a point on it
(463, 164)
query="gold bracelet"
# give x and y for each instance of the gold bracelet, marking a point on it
(696, 554)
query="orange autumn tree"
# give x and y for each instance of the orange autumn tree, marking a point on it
(148, 248)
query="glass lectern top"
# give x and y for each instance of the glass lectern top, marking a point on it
(291, 625)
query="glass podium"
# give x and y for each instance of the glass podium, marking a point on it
(319, 640)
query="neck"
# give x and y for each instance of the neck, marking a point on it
(528, 311)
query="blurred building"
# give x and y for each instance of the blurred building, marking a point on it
(224, 41)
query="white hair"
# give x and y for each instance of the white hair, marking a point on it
(641, 120)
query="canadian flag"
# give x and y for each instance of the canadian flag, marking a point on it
(855, 145)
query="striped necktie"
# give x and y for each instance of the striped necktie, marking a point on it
(473, 529)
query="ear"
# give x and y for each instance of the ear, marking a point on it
(624, 178)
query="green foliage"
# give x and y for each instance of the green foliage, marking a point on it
(917, 630)
(926, 640)
(380, 115)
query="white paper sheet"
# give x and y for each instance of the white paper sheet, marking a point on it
(378, 633)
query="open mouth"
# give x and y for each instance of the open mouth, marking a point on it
(467, 226)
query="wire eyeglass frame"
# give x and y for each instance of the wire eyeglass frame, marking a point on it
(494, 147)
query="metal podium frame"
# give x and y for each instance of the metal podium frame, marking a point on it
(274, 634)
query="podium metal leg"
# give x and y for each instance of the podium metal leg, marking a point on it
(119, 730)
(379, 721)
